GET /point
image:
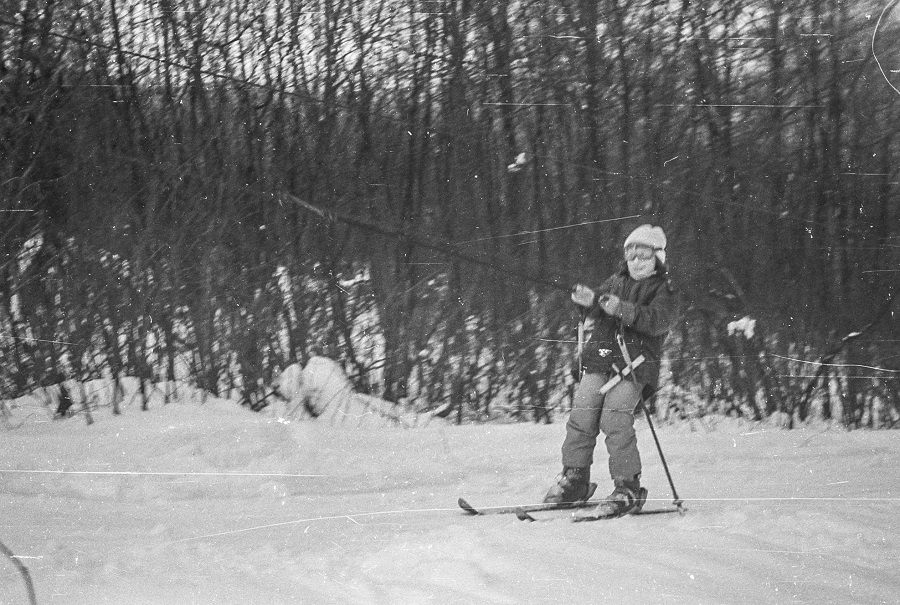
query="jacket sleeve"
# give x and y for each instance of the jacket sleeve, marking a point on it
(655, 318)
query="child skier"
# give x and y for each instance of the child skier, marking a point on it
(632, 313)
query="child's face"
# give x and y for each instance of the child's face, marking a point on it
(641, 261)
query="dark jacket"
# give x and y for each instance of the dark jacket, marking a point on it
(649, 308)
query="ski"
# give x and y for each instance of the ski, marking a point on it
(527, 516)
(640, 513)
(638, 510)
(529, 508)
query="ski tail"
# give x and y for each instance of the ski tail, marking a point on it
(544, 506)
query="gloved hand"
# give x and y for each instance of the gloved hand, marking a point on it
(583, 296)
(611, 305)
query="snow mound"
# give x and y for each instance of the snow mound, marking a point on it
(321, 390)
(43, 403)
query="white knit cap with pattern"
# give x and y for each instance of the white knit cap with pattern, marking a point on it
(650, 236)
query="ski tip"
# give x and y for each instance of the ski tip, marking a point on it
(466, 507)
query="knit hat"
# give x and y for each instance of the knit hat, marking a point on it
(650, 236)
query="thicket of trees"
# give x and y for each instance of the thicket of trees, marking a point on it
(153, 156)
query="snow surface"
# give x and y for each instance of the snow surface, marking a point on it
(202, 501)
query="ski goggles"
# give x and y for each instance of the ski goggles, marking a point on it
(639, 253)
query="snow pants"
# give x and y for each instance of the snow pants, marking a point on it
(612, 414)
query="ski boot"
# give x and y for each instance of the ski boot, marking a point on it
(572, 485)
(627, 498)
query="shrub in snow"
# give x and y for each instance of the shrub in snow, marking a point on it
(744, 325)
(516, 166)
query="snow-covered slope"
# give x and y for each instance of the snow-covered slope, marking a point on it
(209, 503)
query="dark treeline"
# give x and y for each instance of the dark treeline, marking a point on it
(153, 155)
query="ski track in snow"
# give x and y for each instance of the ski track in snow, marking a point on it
(774, 517)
